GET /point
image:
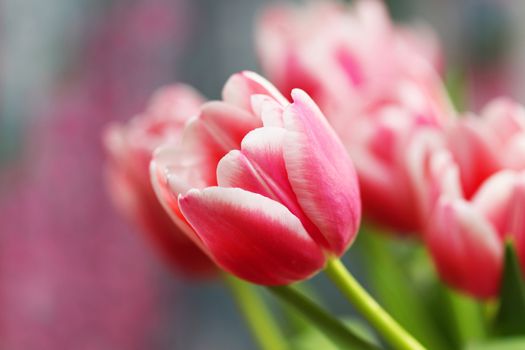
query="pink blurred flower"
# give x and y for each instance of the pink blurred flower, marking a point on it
(391, 153)
(485, 144)
(349, 59)
(377, 84)
(467, 228)
(465, 237)
(266, 187)
(130, 147)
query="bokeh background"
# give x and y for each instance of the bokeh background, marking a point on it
(73, 273)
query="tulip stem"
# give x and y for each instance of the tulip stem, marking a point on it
(391, 331)
(261, 322)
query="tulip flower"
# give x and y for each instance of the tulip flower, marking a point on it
(466, 237)
(262, 185)
(130, 147)
(391, 153)
(348, 58)
(388, 115)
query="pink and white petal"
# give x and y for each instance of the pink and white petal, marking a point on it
(168, 200)
(432, 173)
(241, 86)
(474, 148)
(465, 248)
(502, 200)
(513, 155)
(206, 139)
(270, 111)
(224, 126)
(504, 117)
(235, 170)
(321, 173)
(259, 167)
(252, 236)
(141, 206)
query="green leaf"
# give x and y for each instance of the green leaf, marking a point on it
(465, 315)
(333, 329)
(510, 320)
(312, 339)
(504, 344)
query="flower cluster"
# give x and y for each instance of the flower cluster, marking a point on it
(265, 186)
(451, 180)
(130, 148)
(483, 203)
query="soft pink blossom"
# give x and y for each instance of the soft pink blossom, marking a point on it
(348, 58)
(377, 84)
(465, 237)
(264, 186)
(391, 152)
(485, 144)
(130, 147)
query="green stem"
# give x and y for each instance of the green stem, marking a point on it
(393, 333)
(333, 328)
(261, 322)
(400, 271)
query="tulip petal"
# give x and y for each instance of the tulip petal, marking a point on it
(321, 173)
(169, 201)
(502, 200)
(504, 117)
(513, 156)
(241, 86)
(270, 111)
(473, 145)
(465, 248)
(141, 206)
(252, 236)
(192, 163)
(206, 139)
(259, 167)
(432, 173)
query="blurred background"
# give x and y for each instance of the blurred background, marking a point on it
(73, 273)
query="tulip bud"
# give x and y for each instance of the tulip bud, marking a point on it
(130, 147)
(267, 187)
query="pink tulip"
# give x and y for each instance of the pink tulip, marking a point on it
(130, 148)
(349, 59)
(467, 227)
(486, 144)
(465, 237)
(376, 83)
(264, 186)
(392, 151)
